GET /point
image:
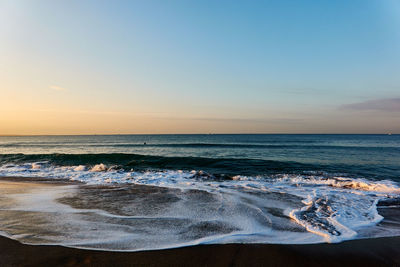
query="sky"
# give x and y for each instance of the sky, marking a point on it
(152, 67)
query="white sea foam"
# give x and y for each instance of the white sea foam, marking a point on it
(341, 182)
(35, 166)
(331, 209)
(80, 168)
(98, 168)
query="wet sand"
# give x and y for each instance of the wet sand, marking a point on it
(366, 252)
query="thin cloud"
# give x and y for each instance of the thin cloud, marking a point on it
(302, 91)
(240, 120)
(386, 105)
(57, 88)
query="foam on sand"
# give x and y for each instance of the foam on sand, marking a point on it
(128, 210)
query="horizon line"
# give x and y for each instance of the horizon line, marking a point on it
(22, 135)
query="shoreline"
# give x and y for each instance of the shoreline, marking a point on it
(383, 251)
(362, 252)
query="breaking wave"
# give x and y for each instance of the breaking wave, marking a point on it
(219, 167)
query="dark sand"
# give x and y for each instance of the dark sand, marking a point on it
(366, 252)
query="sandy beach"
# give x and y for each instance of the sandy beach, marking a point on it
(365, 252)
(368, 252)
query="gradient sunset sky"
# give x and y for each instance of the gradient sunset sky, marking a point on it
(104, 67)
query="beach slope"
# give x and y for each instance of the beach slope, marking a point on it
(367, 252)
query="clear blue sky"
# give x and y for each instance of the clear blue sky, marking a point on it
(199, 66)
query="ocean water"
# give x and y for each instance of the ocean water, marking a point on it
(137, 192)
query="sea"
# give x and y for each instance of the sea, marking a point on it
(146, 192)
